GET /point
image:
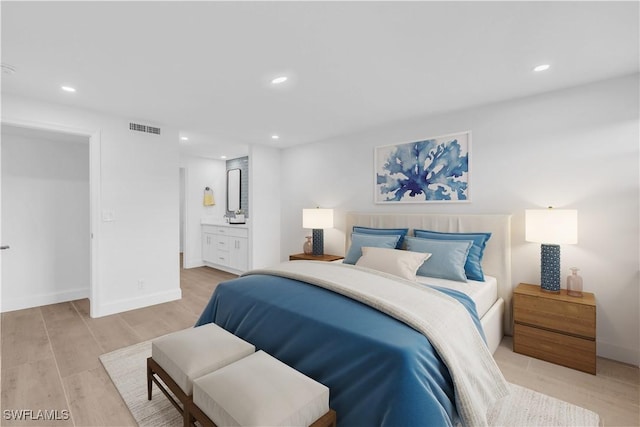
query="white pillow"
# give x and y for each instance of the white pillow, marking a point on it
(404, 264)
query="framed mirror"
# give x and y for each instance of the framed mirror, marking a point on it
(233, 189)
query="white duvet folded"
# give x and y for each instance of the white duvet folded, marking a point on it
(477, 380)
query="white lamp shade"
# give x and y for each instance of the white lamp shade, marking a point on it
(552, 226)
(317, 218)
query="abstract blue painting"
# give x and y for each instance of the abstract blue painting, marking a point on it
(433, 170)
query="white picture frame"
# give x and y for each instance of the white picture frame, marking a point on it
(433, 170)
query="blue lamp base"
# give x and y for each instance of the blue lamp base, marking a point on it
(318, 241)
(550, 268)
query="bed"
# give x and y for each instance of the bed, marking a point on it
(496, 263)
(380, 371)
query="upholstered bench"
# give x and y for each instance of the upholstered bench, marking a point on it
(259, 390)
(179, 358)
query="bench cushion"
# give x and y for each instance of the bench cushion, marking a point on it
(192, 353)
(260, 390)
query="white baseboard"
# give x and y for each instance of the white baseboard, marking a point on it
(223, 268)
(137, 302)
(621, 354)
(193, 263)
(12, 304)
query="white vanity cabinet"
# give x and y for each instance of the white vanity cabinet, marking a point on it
(226, 247)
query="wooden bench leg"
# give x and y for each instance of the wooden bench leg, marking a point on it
(199, 416)
(149, 380)
(154, 374)
(187, 417)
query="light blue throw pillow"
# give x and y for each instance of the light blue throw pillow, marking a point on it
(447, 257)
(374, 240)
(473, 265)
(383, 231)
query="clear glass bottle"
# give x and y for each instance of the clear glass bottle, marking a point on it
(308, 246)
(574, 283)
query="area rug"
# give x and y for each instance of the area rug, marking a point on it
(127, 368)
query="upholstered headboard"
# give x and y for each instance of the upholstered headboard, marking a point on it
(497, 255)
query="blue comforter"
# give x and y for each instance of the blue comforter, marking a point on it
(380, 372)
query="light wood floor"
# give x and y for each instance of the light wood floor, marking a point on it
(49, 361)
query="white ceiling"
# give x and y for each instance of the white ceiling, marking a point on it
(204, 67)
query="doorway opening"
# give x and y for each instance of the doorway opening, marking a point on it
(46, 213)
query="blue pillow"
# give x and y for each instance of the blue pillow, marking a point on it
(447, 257)
(374, 240)
(383, 231)
(473, 265)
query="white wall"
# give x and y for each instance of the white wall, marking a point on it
(200, 173)
(45, 211)
(576, 148)
(181, 189)
(264, 200)
(138, 261)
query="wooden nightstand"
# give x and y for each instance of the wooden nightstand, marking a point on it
(555, 327)
(325, 257)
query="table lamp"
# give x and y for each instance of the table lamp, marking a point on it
(317, 219)
(551, 227)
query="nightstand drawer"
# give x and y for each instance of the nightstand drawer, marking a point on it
(558, 315)
(565, 350)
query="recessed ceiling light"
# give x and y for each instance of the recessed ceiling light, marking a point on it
(223, 157)
(184, 138)
(275, 137)
(68, 88)
(279, 80)
(542, 67)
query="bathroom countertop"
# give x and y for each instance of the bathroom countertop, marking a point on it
(222, 224)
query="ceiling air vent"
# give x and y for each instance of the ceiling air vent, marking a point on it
(144, 128)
